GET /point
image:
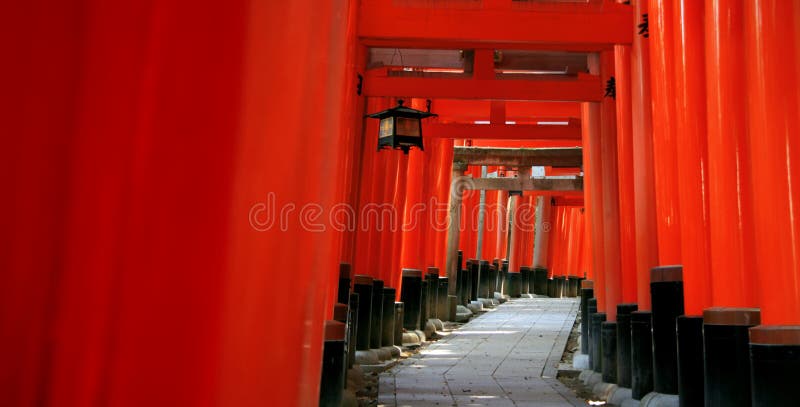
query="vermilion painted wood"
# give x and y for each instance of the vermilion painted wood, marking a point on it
(503, 131)
(131, 272)
(470, 110)
(663, 124)
(771, 55)
(502, 219)
(627, 221)
(692, 153)
(398, 200)
(593, 194)
(645, 229)
(515, 250)
(730, 193)
(610, 184)
(569, 26)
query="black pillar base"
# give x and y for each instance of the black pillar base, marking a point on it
(432, 277)
(690, 360)
(586, 294)
(596, 348)
(591, 309)
(574, 286)
(387, 324)
(726, 341)
(362, 285)
(333, 365)
(551, 288)
(774, 363)
(624, 343)
(473, 280)
(376, 326)
(352, 325)
(641, 354)
(540, 281)
(561, 282)
(504, 277)
(441, 299)
(524, 274)
(398, 323)
(666, 294)
(608, 345)
(423, 301)
(483, 280)
(492, 280)
(344, 283)
(513, 281)
(411, 296)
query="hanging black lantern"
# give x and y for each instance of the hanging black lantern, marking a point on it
(401, 127)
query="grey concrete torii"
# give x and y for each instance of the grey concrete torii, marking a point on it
(522, 159)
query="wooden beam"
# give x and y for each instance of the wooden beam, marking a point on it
(586, 88)
(503, 131)
(539, 185)
(593, 25)
(519, 157)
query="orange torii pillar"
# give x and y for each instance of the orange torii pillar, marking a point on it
(541, 237)
(627, 215)
(772, 63)
(439, 207)
(642, 149)
(611, 242)
(644, 196)
(668, 305)
(593, 193)
(732, 263)
(692, 154)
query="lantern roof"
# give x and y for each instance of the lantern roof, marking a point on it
(401, 111)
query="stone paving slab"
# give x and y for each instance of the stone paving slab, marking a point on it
(506, 357)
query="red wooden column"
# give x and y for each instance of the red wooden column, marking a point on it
(608, 151)
(514, 251)
(730, 194)
(371, 193)
(152, 176)
(542, 232)
(627, 234)
(415, 224)
(392, 268)
(692, 153)
(771, 55)
(644, 180)
(664, 142)
(442, 174)
(593, 193)
(502, 224)
(489, 249)
(530, 223)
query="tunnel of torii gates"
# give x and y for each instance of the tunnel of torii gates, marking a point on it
(161, 157)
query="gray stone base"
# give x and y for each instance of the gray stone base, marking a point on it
(367, 357)
(500, 297)
(383, 354)
(395, 351)
(487, 302)
(475, 306)
(409, 339)
(463, 314)
(604, 390)
(619, 396)
(660, 400)
(437, 323)
(580, 361)
(590, 377)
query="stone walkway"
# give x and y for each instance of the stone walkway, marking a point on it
(505, 357)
